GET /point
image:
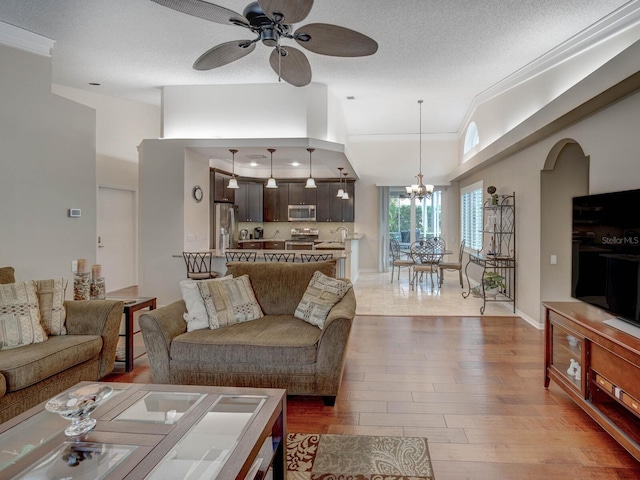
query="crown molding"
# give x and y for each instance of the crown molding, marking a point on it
(24, 40)
(625, 17)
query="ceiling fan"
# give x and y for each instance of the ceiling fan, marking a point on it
(270, 21)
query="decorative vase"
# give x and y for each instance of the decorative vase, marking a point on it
(491, 292)
(81, 281)
(98, 291)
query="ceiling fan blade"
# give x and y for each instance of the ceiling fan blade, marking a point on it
(293, 11)
(223, 54)
(205, 10)
(335, 41)
(294, 68)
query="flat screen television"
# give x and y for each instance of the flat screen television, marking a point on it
(606, 252)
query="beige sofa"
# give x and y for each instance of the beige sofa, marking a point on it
(276, 351)
(34, 373)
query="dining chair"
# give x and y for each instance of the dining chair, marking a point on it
(279, 257)
(240, 256)
(452, 266)
(399, 259)
(315, 257)
(425, 260)
(198, 265)
(438, 242)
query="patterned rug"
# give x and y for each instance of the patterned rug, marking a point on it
(357, 457)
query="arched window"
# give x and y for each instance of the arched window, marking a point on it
(472, 138)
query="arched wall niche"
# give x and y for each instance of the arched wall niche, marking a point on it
(565, 175)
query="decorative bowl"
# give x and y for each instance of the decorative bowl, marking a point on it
(76, 405)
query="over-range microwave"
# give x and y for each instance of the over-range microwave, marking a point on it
(302, 213)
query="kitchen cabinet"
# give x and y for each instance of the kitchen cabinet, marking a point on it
(218, 184)
(276, 201)
(273, 245)
(348, 206)
(597, 365)
(249, 201)
(250, 245)
(299, 195)
(331, 208)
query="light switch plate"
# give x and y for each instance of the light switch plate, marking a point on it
(74, 212)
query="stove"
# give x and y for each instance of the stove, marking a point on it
(302, 239)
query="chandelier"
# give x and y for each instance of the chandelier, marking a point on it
(420, 190)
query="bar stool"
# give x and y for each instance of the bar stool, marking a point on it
(315, 257)
(198, 265)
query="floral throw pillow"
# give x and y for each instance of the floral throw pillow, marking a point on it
(322, 294)
(20, 315)
(230, 301)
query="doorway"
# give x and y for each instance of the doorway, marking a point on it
(117, 237)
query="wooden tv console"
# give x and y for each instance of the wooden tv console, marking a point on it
(606, 382)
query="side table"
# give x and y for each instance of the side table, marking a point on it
(130, 307)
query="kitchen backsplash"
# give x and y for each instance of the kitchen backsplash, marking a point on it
(327, 231)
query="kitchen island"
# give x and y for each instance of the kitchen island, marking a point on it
(341, 255)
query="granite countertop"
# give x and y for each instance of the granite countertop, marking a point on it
(336, 253)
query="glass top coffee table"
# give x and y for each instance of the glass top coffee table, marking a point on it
(154, 432)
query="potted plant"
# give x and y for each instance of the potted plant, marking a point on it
(493, 283)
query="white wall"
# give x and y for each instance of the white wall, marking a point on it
(162, 219)
(196, 214)
(121, 125)
(248, 111)
(47, 165)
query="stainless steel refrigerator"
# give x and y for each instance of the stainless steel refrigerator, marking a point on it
(224, 226)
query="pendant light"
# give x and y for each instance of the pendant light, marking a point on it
(420, 190)
(233, 183)
(345, 194)
(311, 183)
(340, 190)
(271, 183)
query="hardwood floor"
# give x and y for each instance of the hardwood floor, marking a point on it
(473, 386)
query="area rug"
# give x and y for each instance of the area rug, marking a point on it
(357, 457)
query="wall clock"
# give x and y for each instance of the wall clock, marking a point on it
(197, 193)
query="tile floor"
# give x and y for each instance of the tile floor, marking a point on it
(377, 295)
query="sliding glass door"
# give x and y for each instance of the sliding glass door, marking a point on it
(411, 220)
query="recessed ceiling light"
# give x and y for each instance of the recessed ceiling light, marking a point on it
(350, 97)
(295, 164)
(253, 164)
(94, 84)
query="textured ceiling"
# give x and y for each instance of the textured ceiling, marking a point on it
(443, 51)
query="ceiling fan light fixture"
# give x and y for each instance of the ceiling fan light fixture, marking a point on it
(271, 183)
(311, 183)
(233, 183)
(272, 21)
